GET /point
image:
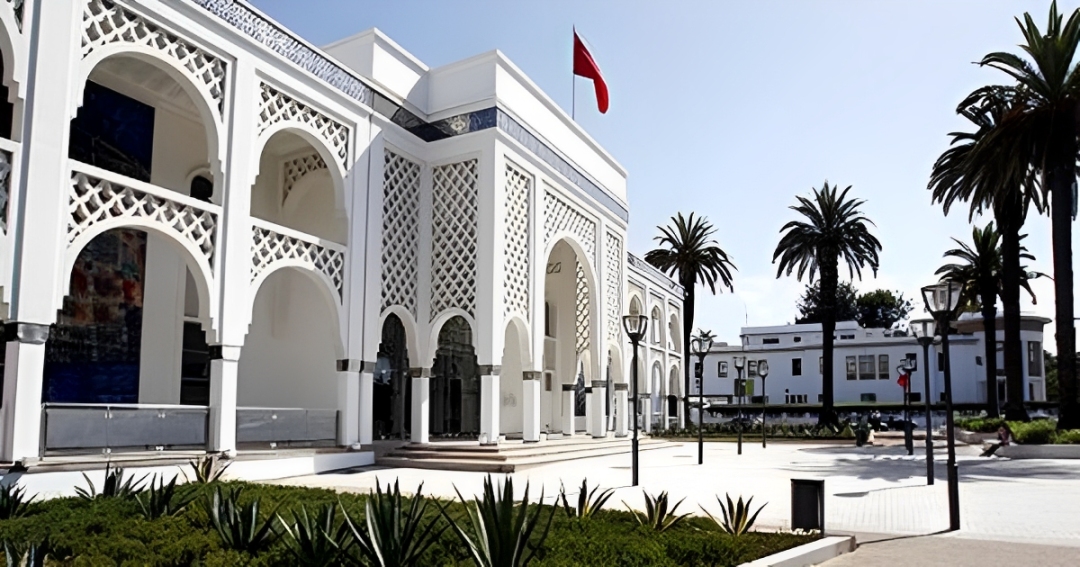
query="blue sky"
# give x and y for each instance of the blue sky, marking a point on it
(731, 109)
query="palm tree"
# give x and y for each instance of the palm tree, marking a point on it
(834, 229)
(1042, 135)
(980, 274)
(690, 254)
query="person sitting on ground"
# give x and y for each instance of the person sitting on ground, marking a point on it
(1004, 435)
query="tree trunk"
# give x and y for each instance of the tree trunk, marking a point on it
(1059, 178)
(1010, 300)
(829, 282)
(688, 329)
(988, 299)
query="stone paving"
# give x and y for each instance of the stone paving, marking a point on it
(870, 490)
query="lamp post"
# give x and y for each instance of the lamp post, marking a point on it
(635, 326)
(740, 389)
(905, 369)
(700, 346)
(924, 333)
(941, 300)
(763, 371)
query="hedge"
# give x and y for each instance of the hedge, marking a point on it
(110, 531)
(1035, 432)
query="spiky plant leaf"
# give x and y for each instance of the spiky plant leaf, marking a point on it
(393, 535)
(501, 529)
(319, 540)
(161, 499)
(13, 501)
(737, 519)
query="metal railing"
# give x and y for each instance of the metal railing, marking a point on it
(123, 427)
(274, 427)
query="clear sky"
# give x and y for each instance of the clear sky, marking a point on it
(731, 109)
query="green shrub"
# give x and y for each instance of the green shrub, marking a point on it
(1067, 437)
(239, 525)
(979, 424)
(13, 501)
(1039, 432)
(501, 528)
(395, 535)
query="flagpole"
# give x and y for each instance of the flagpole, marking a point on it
(573, 83)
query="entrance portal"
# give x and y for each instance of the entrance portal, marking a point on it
(392, 386)
(455, 387)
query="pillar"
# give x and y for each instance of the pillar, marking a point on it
(621, 409)
(490, 399)
(348, 402)
(596, 422)
(23, 368)
(530, 410)
(568, 409)
(367, 403)
(588, 410)
(645, 402)
(421, 404)
(224, 363)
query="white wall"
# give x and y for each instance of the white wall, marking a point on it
(511, 412)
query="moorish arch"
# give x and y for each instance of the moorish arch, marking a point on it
(454, 403)
(516, 360)
(392, 381)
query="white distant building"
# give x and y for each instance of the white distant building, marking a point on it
(865, 364)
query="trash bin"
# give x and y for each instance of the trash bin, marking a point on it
(807, 504)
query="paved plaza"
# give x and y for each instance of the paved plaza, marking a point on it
(877, 493)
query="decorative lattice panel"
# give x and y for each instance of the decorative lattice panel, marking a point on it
(560, 216)
(582, 314)
(270, 247)
(516, 239)
(453, 250)
(294, 169)
(5, 188)
(275, 106)
(104, 22)
(17, 7)
(612, 283)
(400, 231)
(92, 200)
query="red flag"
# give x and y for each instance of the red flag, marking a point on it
(903, 381)
(585, 66)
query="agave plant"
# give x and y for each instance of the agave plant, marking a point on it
(13, 501)
(160, 499)
(115, 486)
(239, 526)
(588, 501)
(502, 529)
(737, 519)
(26, 554)
(657, 515)
(393, 535)
(207, 470)
(316, 540)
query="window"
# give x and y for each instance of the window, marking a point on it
(913, 360)
(797, 339)
(751, 368)
(796, 367)
(914, 397)
(851, 368)
(202, 188)
(1031, 391)
(795, 398)
(820, 397)
(942, 394)
(548, 327)
(821, 365)
(721, 369)
(978, 361)
(770, 341)
(547, 381)
(940, 361)
(1035, 358)
(867, 397)
(883, 367)
(848, 337)
(866, 367)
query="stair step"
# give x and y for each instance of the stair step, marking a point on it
(508, 458)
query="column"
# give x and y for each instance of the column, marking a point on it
(588, 410)
(421, 404)
(599, 394)
(530, 410)
(367, 403)
(223, 372)
(621, 409)
(646, 415)
(568, 409)
(490, 399)
(348, 402)
(25, 352)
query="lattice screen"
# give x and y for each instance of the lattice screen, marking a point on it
(294, 169)
(92, 200)
(516, 237)
(561, 216)
(400, 231)
(453, 256)
(5, 188)
(583, 333)
(275, 106)
(270, 247)
(104, 22)
(612, 283)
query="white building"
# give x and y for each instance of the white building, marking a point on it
(218, 237)
(865, 364)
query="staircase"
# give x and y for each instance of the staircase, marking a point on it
(508, 456)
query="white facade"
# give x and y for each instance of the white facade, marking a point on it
(865, 364)
(374, 232)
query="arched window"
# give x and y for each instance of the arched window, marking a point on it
(549, 330)
(202, 188)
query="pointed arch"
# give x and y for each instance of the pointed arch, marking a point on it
(327, 292)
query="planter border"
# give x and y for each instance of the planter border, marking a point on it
(813, 553)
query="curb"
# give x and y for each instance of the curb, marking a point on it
(808, 554)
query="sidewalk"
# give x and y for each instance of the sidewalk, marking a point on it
(925, 551)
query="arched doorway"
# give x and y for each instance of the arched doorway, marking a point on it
(569, 342)
(455, 384)
(656, 394)
(672, 414)
(392, 388)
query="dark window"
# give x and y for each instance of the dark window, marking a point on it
(847, 337)
(202, 188)
(942, 394)
(195, 367)
(821, 365)
(796, 367)
(852, 368)
(547, 320)
(1035, 358)
(940, 361)
(914, 397)
(866, 367)
(867, 397)
(978, 361)
(883, 367)
(1031, 391)
(751, 368)
(770, 341)
(6, 108)
(721, 369)
(797, 339)
(113, 132)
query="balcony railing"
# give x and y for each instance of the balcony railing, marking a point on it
(109, 428)
(284, 427)
(272, 243)
(9, 152)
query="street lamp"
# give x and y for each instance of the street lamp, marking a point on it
(904, 370)
(635, 326)
(700, 346)
(763, 371)
(941, 300)
(740, 390)
(924, 333)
